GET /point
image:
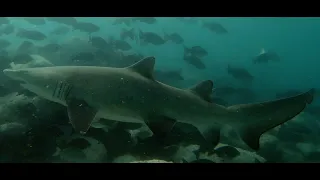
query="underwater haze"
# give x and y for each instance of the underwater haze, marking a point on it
(264, 69)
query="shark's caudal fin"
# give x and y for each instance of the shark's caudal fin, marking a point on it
(260, 117)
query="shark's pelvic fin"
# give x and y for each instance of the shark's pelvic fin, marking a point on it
(203, 89)
(160, 126)
(260, 117)
(80, 114)
(210, 134)
(144, 67)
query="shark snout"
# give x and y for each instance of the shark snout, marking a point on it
(15, 74)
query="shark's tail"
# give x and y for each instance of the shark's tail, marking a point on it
(260, 117)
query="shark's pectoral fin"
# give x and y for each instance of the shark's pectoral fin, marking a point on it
(261, 117)
(211, 135)
(80, 114)
(160, 126)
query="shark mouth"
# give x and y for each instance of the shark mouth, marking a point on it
(15, 74)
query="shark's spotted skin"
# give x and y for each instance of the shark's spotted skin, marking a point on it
(133, 95)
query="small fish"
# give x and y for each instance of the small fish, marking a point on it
(51, 48)
(286, 94)
(220, 101)
(86, 27)
(31, 34)
(61, 30)
(172, 75)
(4, 43)
(63, 20)
(80, 143)
(127, 34)
(313, 110)
(127, 60)
(265, 57)
(245, 95)
(35, 20)
(22, 58)
(4, 59)
(195, 51)
(147, 20)
(7, 29)
(195, 61)
(4, 20)
(174, 37)
(227, 152)
(224, 91)
(188, 20)
(121, 45)
(152, 38)
(25, 46)
(3, 53)
(98, 42)
(122, 20)
(83, 58)
(215, 27)
(240, 73)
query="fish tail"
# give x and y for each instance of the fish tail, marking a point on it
(186, 49)
(229, 68)
(255, 119)
(140, 33)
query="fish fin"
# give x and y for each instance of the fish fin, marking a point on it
(204, 90)
(229, 69)
(186, 50)
(258, 118)
(80, 114)
(141, 33)
(262, 51)
(160, 126)
(144, 67)
(211, 134)
(98, 125)
(13, 65)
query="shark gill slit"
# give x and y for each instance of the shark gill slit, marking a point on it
(69, 88)
(60, 88)
(64, 88)
(55, 89)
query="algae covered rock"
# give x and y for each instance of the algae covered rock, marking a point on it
(82, 149)
(151, 161)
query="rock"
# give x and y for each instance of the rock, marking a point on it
(125, 159)
(306, 148)
(12, 108)
(186, 153)
(95, 152)
(151, 161)
(244, 156)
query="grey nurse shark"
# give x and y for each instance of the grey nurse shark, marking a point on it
(131, 94)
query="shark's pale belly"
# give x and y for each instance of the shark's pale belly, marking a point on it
(118, 116)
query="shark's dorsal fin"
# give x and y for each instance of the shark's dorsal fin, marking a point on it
(262, 51)
(203, 89)
(144, 67)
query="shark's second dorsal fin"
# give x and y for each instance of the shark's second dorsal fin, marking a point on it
(144, 67)
(203, 89)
